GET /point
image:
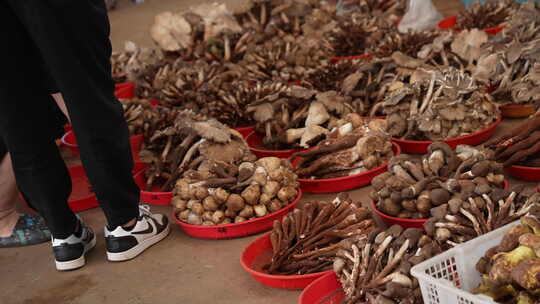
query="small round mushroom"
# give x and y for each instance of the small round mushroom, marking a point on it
(235, 202)
(247, 212)
(209, 203)
(239, 219)
(221, 195)
(251, 194)
(194, 219)
(179, 204)
(201, 193)
(271, 189)
(439, 196)
(218, 217)
(275, 205)
(450, 159)
(197, 208)
(260, 210)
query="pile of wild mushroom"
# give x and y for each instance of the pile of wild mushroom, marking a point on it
(189, 142)
(298, 117)
(519, 145)
(223, 193)
(469, 216)
(281, 59)
(306, 240)
(510, 270)
(142, 117)
(363, 80)
(439, 106)
(354, 147)
(134, 62)
(375, 268)
(412, 188)
(486, 15)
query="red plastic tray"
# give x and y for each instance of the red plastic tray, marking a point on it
(420, 146)
(254, 141)
(450, 23)
(245, 131)
(324, 290)
(363, 56)
(334, 185)
(524, 173)
(82, 197)
(70, 141)
(259, 253)
(246, 228)
(408, 223)
(124, 90)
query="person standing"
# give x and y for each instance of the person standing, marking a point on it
(70, 39)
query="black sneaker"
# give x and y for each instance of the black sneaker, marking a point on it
(69, 252)
(123, 245)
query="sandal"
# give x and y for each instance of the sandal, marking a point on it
(30, 230)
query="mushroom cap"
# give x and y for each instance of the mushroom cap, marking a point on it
(450, 155)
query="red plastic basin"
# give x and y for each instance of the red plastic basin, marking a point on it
(156, 197)
(254, 141)
(152, 197)
(420, 146)
(246, 228)
(70, 141)
(450, 23)
(334, 185)
(124, 90)
(325, 290)
(245, 131)
(259, 253)
(390, 220)
(82, 197)
(408, 223)
(363, 56)
(524, 173)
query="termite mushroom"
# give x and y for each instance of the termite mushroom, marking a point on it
(378, 265)
(307, 240)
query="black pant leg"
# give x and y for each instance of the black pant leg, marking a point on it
(25, 126)
(72, 37)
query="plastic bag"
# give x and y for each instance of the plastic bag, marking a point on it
(421, 15)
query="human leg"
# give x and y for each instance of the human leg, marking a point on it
(72, 37)
(8, 194)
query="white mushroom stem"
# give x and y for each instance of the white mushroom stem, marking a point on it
(398, 278)
(490, 208)
(393, 263)
(451, 218)
(365, 258)
(428, 94)
(472, 219)
(355, 270)
(190, 152)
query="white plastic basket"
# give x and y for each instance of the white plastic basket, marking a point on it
(447, 278)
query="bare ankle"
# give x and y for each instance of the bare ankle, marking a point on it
(130, 223)
(8, 221)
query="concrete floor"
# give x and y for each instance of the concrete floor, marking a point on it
(178, 270)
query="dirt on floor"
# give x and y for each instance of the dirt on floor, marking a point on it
(180, 269)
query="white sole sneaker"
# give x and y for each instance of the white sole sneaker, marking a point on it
(78, 263)
(139, 248)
